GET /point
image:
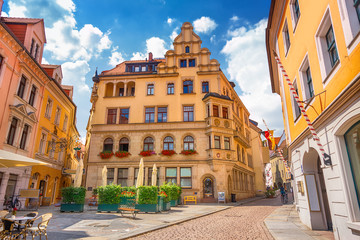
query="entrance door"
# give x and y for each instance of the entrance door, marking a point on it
(42, 187)
(324, 196)
(208, 188)
(10, 188)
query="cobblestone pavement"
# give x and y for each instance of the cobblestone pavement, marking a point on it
(242, 222)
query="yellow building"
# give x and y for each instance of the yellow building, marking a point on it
(280, 175)
(183, 103)
(56, 137)
(318, 44)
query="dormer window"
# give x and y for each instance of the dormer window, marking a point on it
(32, 46)
(187, 49)
(36, 51)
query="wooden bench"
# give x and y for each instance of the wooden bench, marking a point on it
(190, 199)
(133, 211)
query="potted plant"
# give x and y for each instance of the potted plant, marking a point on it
(168, 152)
(165, 203)
(73, 199)
(147, 153)
(179, 194)
(188, 152)
(173, 194)
(270, 193)
(147, 199)
(126, 195)
(109, 198)
(106, 154)
(121, 154)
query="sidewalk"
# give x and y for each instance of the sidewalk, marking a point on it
(92, 225)
(284, 223)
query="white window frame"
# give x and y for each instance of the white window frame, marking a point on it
(284, 30)
(327, 71)
(48, 110)
(57, 116)
(350, 24)
(293, 17)
(42, 144)
(303, 80)
(293, 102)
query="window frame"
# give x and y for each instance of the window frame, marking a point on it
(109, 144)
(215, 110)
(124, 115)
(148, 144)
(217, 142)
(57, 116)
(192, 62)
(48, 108)
(32, 95)
(22, 87)
(183, 63)
(295, 8)
(187, 116)
(162, 115)
(188, 85)
(187, 49)
(168, 143)
(109, 177)
(150, 89)
(24, 137)
(171, 87)
(227, 143)
(149, 115)
(171, 177)
(286, 37)
(332, 47)
(122, 178)
(205, 87)
(122, 144)
(295, 106)
(186, 177)
(111, 116)
(308, 92)
(188, 142)
(12, 131)
(225, 112)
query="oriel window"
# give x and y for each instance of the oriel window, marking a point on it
(225, 112)
(215, 111)
(217, 142)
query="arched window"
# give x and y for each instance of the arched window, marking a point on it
(188, 143)
(168, 143)
(187, 49)
(124, 144)
(170, 89)
(238, 153)
(188, 86)
(148, 144)
(108, 145)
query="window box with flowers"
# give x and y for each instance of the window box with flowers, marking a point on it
(122, 154)
(147, 153)
(188, 152)
(106, 154)
(168, 152)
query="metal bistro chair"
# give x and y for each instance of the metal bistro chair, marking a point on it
(41, 227)
(30, 222)
(11, 229)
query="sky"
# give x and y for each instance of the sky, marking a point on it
(85, 35)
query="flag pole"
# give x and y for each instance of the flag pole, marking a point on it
(326, 157)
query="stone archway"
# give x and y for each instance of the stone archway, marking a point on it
(208, 188)
(319, 210)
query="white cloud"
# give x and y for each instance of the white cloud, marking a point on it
(237, 32)
(67, 5)
(4, 14)
(138, 56)
(247, 65)
(234, 18)
(174, 34)
(170, 21)
(155, 45)
(16, 10)
(116, 57)
(74, 74)
(44, 61)
(204, 25)
(213, 38)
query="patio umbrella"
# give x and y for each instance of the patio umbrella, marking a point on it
(9, 159)
(79, 172)
(104, 176)
(140, 176)
(154, 175)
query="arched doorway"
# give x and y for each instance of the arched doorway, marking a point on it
(320, 215)
(208, 188)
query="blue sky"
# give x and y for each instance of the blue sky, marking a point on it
(83, 35)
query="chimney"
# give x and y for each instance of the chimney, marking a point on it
(150, 57)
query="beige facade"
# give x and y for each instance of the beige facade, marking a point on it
(182, 103)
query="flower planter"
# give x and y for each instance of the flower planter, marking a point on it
(166, 206)
(71, 207)
(160, 203)
(179, 201)
(108, 207)
(124, 200)
(147, 207)
(173, 203)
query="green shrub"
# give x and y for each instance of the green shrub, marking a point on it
(166, 188)
(173, 191)
(109, 194)
(128, 189)
(148, 194)
(73, 195)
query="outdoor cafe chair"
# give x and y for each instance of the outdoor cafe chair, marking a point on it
(41, 227)
(30, 222)
(11, 229)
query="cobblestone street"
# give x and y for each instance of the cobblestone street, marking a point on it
(242, 222)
